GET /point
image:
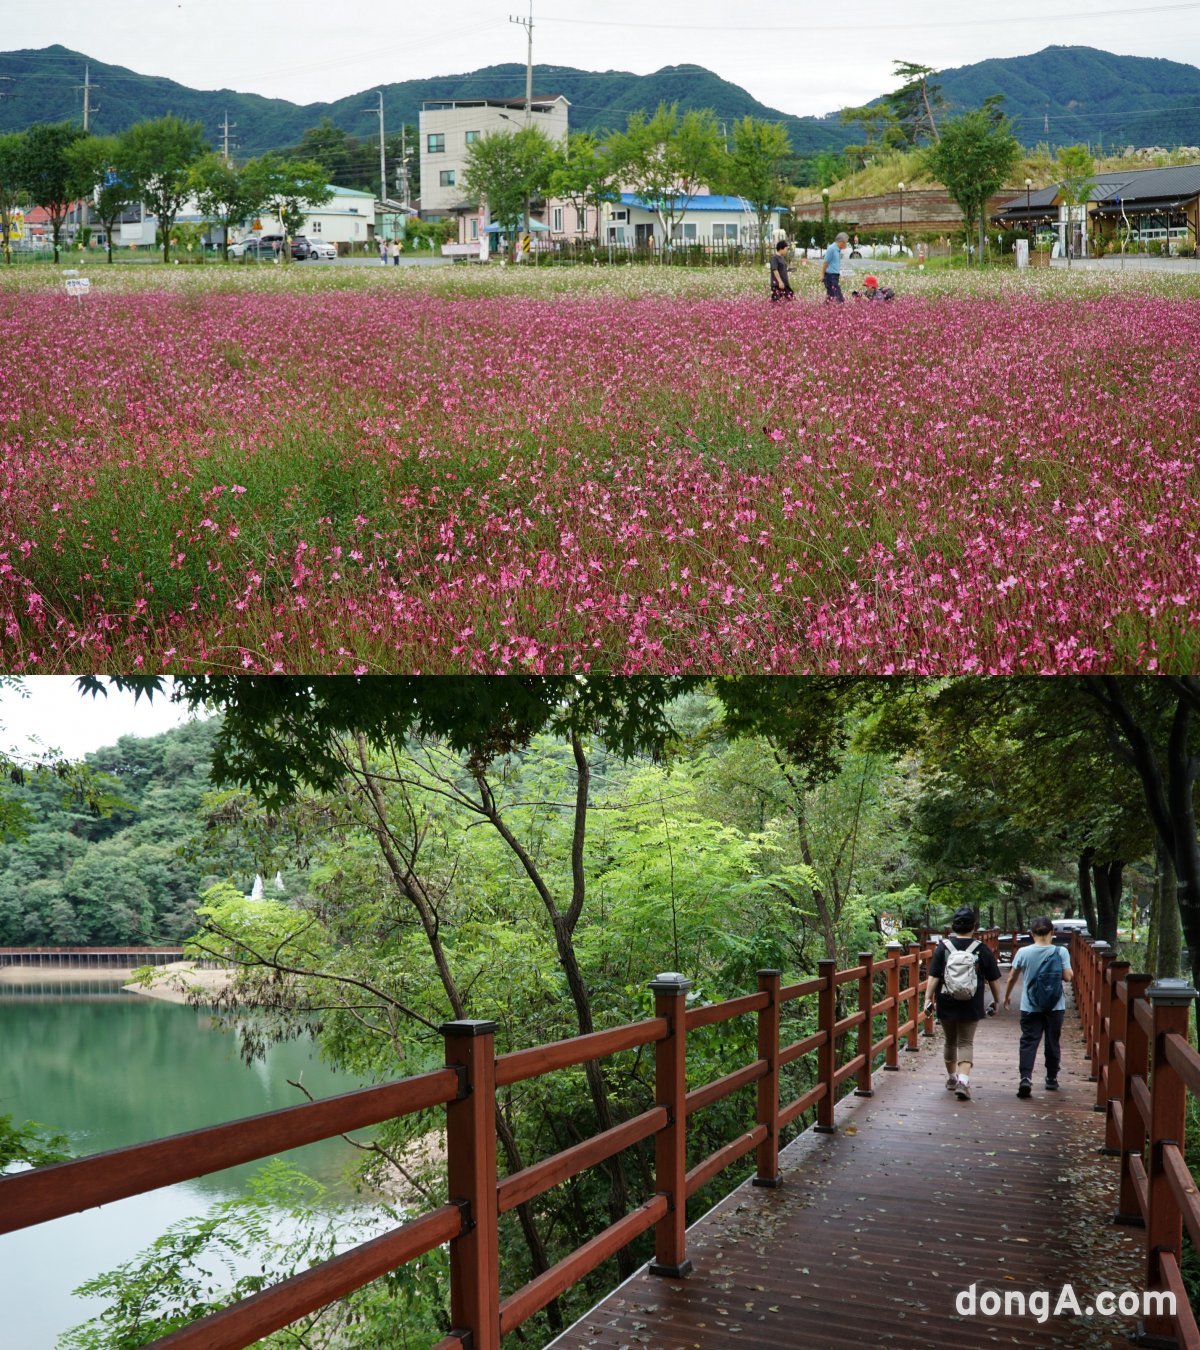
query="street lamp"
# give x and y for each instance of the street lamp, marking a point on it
(1028, 221)
(505, 117)
(825, 208)
(901, 186)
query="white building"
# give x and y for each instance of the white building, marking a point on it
(709, 220)
(448, 129)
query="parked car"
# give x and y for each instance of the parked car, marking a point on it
(261, 250)
(301, 248)
(321, 248)
(1065, 929)
(239, 249)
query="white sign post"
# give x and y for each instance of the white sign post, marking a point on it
(78, 287)
(1022, 254)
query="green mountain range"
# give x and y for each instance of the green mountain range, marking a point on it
(1060, 95)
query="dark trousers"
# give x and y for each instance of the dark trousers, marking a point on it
(833, 287)
(1035, 1025)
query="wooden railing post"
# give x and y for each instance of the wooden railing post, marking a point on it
(670, 1143)
(866, 998)
(768, 1085)
(826, 1051)
(1172, 1003)
(892, 1059)
(1097, 1009)
(1112, 1074)
(471, 1173)
(925, 957)
(1133, 1127)
(913, 982)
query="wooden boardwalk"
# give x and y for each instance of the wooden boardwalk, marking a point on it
(878, 1227)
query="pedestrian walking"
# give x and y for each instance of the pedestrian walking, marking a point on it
(831, 268)
(1046, 970)
(395, 252)
(383, 250)
(958, 971)
(780, 286)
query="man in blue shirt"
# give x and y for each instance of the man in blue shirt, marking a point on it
(1039, 1022)
(831, 268)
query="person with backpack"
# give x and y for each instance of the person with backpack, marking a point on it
(1046, 969)
(957, 973)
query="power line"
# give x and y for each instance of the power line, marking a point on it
(940, 24)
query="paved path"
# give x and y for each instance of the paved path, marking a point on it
(877, 1228)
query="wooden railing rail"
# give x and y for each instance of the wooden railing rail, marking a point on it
(1136, 1032)
(889, 989)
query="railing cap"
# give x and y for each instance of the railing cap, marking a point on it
(670, 982)
(1101, 946)
(768, 971)
(1171, 993)
(895, 946)
(467, 1027)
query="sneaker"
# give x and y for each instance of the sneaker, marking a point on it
(1051, 1084)
(963, 1091)
(1026, 1088)
(951, 1082)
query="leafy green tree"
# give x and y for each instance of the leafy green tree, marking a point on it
(12, 192)
(583, 175)
(289, 188)
(159, 155)
(973, 158)
(1077, 175)
(47, 172)
(97, 164)
(757, 159)
(916, 103)
(506, 169)
(879, 129)
(667, 159)
(30, 1143)
(225, 192)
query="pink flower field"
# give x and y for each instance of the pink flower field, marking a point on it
(479, 480)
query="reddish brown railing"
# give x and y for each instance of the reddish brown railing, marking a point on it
(467, 1088)
(1136, 1031)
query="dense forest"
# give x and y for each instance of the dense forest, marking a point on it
(101, 859)
(534, 851)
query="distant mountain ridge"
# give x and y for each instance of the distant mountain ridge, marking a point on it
(45, 84)
(1059, 95)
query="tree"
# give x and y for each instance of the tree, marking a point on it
(506, 169)
(974, 156)
(223, 191)
(11, 190)
(1076, 173)
(756, 163)
(47, 174)
(159, 155)
(289, 188)
(583, 175)
(879, 130)
(914, 104)
(97, 164)
(667, 159)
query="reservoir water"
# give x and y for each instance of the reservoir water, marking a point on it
(108, 1069)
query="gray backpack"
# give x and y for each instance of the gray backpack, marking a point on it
(960, 979)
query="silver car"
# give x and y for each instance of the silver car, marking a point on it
(321, 248)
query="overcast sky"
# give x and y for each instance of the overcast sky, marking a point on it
(810, 58)
(55, 713)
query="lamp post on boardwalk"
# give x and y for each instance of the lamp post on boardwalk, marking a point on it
(1028, 222)
(825, 210)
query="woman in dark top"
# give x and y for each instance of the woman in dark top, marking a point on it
(959, 1016)
(781, 288)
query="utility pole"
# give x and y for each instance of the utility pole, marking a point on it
(382, 157)
(86, 89)
(226, 127)
(402, 170)
(527, 24)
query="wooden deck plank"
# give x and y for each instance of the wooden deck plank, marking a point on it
(878, 1227)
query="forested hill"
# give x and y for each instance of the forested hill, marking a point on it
(1064, 95)
(119, 877)
(45, 88)
(1060, 95)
